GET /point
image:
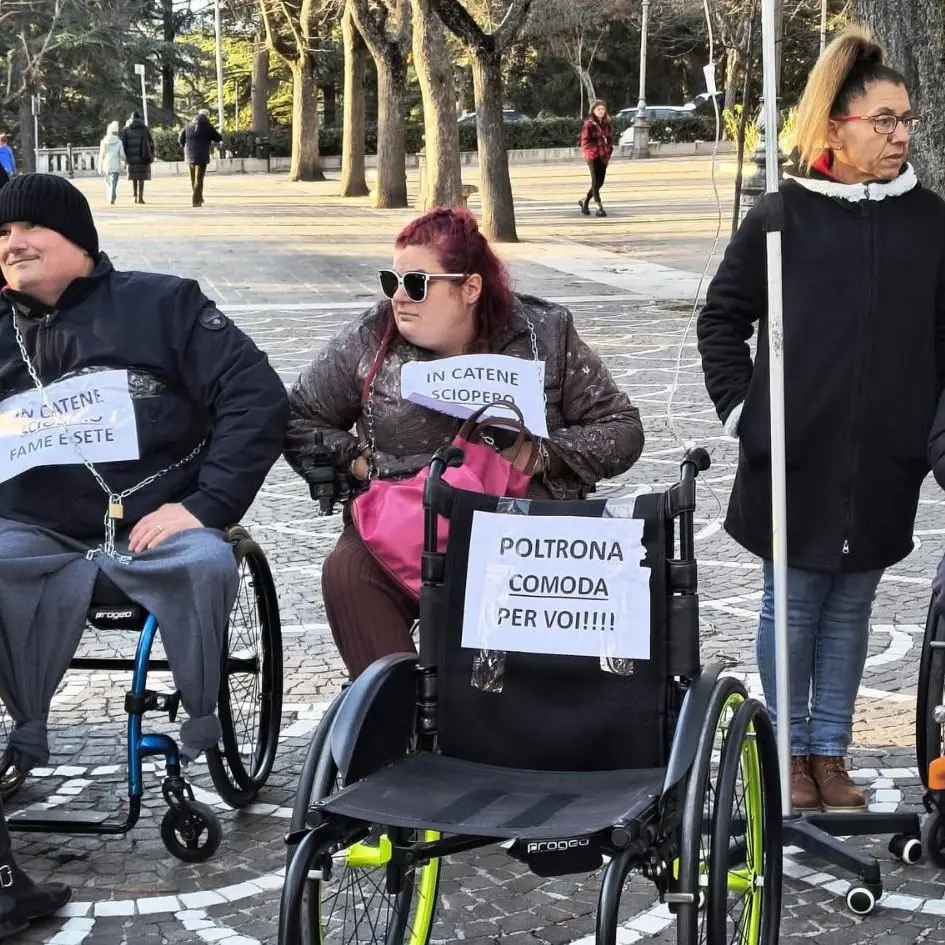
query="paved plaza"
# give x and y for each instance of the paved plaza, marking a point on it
(291, 263)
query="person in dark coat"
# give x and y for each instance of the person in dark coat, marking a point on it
(597, 145)
(196, 138)
(864, 365)
(139, 153)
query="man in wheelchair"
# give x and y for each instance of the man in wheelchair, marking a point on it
(136, 424)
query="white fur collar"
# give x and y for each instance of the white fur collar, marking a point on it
(855, 193)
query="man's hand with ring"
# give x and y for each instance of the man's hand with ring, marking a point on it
(157, 527)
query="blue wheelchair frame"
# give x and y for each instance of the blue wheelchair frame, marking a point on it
(190, 830)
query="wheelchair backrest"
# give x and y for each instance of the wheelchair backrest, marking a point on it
(556, 712)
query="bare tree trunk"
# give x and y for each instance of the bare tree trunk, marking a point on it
(167, 68)
(305, 164)
(391, 187)
(443, 180)
(733, 59)
(913, 35)
(498, 210)
(260, 87)
(26, 158)
(353, 183)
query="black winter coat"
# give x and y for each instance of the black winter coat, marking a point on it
(137, 141)
(864, 353)
(192, 375)
(196, 138)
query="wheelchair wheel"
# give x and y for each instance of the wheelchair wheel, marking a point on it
(336, 894)
(250, 700)
(691, 870)
(929, 734)
(745, 859)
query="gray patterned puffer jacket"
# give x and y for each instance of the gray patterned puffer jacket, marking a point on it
(595, 432)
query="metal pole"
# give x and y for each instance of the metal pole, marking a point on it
(769, 31)
(823, 26)
(217, 29)
(641, 127)
(236, 106)
(139, 70)
(641, 104)
(36, 103)
(144, 99)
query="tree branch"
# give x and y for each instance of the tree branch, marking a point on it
(274, 39)
(457, 20)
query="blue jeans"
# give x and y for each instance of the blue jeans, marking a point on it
(828, 631)
(111, 185)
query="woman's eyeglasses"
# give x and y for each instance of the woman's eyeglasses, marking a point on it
(414, 283)
(886, 124)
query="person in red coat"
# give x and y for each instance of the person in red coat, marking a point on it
(597, 145)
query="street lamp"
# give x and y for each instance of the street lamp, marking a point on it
(139, 71)
(641, 127)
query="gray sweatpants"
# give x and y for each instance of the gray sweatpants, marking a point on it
(189, 583)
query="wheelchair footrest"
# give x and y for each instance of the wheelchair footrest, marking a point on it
(152, 701)
(54, 816)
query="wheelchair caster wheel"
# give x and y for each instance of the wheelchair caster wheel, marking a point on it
(933, 839)
(861, 900)
(191, 831)
(10, 783)
(906, 848)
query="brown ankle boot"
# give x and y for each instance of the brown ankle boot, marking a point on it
(838, 794)
(804, 793)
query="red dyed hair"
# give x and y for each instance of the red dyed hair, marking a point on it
(454, 236)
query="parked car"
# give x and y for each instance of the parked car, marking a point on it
(654, 113)
(508, 115)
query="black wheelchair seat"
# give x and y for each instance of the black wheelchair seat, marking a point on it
(111, 609)
(435, 792)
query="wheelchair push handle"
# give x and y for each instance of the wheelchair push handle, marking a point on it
(446, 457)
(696, 460)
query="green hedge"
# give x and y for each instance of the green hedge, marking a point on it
(525, 135)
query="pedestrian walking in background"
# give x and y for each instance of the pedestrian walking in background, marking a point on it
(111, 156)
(597, 145)
(196, 138)
(7, 160)
(139, 153)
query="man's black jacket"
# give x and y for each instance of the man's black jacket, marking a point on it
(192, 375)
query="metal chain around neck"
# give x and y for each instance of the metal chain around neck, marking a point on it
(369, 406)
(108, 547)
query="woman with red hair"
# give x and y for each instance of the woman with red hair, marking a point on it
(446, 294)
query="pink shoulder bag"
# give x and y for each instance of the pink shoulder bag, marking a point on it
(389, 516)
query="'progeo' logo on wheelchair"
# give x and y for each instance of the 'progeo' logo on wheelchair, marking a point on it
(557, 846)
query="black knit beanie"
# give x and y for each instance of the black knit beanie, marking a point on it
(50, 201)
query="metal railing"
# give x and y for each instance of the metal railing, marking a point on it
(68, 161)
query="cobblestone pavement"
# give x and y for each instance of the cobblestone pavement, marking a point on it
(291, 265)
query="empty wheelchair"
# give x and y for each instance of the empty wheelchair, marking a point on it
(572, 763)
(249, 709)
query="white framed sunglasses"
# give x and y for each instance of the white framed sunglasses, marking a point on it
(415, 283)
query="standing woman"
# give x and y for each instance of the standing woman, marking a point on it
(597, 145)
(864, 363)
(139, 153)
(111, 154)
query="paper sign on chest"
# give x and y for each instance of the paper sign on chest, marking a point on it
(460, 386)
(92, 413)
(557, 584)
